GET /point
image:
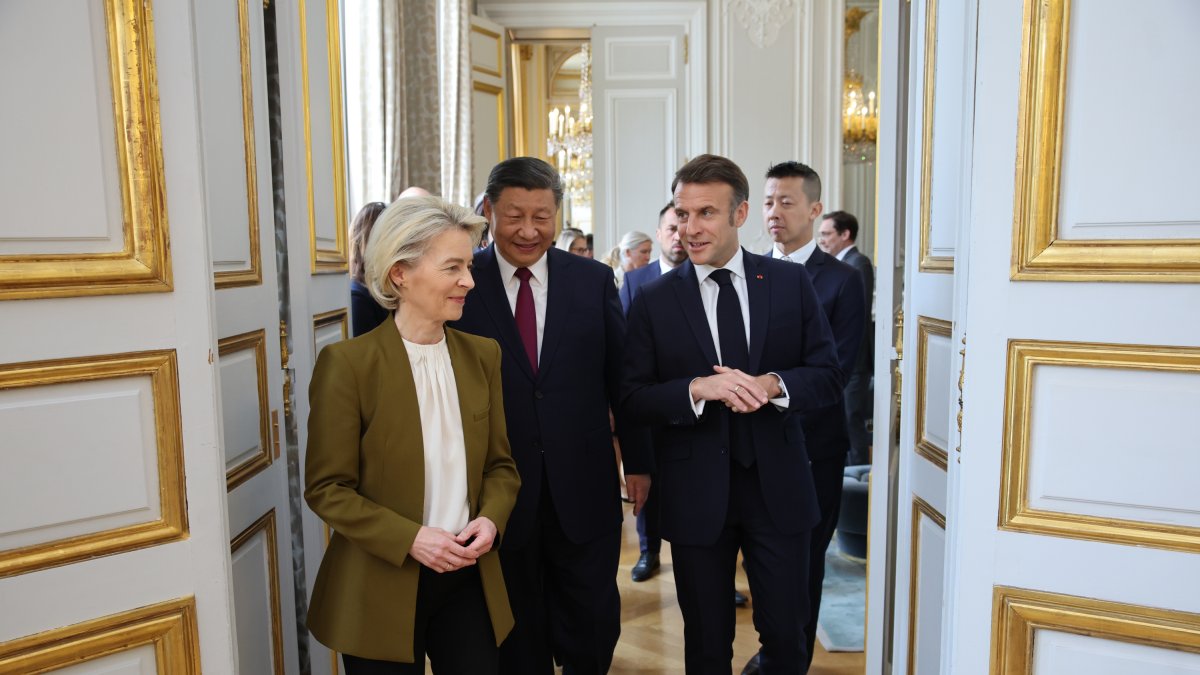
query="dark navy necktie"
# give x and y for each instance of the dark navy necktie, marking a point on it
(731, 332)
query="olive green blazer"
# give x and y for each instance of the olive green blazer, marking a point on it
(364, 476)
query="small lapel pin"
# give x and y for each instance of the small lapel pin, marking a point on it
(758, 276)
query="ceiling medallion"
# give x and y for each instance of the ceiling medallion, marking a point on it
(762, 18)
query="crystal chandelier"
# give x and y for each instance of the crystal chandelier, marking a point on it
(570, 139)
(860, 119)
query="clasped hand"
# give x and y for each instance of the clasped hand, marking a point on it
(739, 391)
(442, 551)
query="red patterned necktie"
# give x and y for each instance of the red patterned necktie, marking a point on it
(526, 317)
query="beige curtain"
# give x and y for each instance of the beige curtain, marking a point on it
(454, 66)
(392, 120)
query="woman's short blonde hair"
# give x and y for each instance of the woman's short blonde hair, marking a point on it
(402, 234)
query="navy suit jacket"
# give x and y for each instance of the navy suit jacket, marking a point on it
(669, 344)
(558, 421)
(634, 281)
(839, 289)
(866, 354)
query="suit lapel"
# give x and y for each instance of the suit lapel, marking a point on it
(494, 298)
(759, 289)
(687, 290)
(816, 263)
(557, 305)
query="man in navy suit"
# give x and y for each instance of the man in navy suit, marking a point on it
(837, 236)
(792, 202)
(724, 353)
(670, 256)
(560, 328)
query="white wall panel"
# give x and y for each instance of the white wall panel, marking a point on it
(949, 81)
(1116, 443)
(487, 125)
(137, 661)
(642, 151)
(486, 56)
(639, 58)
(937, 390)
(62, 130)
(241, 409)
(930, 571)
(79, 458)
(1102, 148)
(254, 604)
(1057, 652)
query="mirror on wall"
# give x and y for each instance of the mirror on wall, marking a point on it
(860, 116)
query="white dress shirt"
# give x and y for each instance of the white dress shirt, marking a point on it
(800, 255)
(538, 283)
(664, 265)
(709, 291)
(842, 253)
(446, 503)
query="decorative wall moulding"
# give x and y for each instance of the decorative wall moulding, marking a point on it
(1018, 615)
(1039, 254)
(254, 342)
(762, 19)
(1017, 513)
(920, 509)
(265, 527)
(171, 524)
(923, 446)
(169, 628)
(141, 264)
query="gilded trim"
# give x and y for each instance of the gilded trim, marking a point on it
(1038, 252)
(920, 507)
(1015, 512)
(337, 259)
(493, 90)
(143, 265)
(331, 318)
(929, 262)
(266, 525)
(923, 446)
(1018, 614)
(171, 525)
(253, 275)
(499, 52)
(256, 341)
(169, 626)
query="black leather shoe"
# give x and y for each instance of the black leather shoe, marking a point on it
(751, 666)
(740, 600)
(646, 567)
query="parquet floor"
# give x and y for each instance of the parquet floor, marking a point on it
(652, 628)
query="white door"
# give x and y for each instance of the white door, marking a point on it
(114, 550)
(1075, 521)
(489, 123)
(639, 91)
(235, 118)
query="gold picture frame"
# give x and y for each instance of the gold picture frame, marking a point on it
(1038, 252)
(172, 524)
(143, 265)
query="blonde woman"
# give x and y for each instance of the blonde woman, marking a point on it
(409, 462)
(633, 252)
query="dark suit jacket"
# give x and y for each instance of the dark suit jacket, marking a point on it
(365, 313)
(558, 420)
(669, 344)
(866, 355)
(839, 290)
(635, 279)
(365, 477)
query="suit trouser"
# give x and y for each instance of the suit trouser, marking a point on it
(704, 583)
(827, 475)
(452, 626)
(857, 400)
(564, 599)
(649, 538)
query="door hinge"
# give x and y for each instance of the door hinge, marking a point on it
(962, 374)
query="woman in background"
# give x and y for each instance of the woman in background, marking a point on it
(409, 463)
(572, 241)
(365, 313)
(630, 254)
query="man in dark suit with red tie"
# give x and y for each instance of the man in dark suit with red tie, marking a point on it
(723, 356)
(560, 328)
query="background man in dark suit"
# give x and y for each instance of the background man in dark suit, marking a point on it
(791, 203)
(560, 327)
(723, 354)
(837, 235)
(670, 256)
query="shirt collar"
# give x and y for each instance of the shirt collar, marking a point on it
(800, 255)
(664, 265)
(508, 270)
(736, 265)
(842, 253)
